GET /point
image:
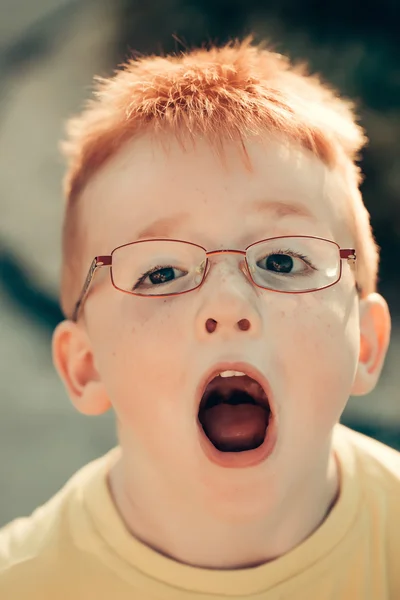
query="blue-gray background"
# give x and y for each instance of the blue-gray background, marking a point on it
(49, 51)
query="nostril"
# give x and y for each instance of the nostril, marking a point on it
(244, 324)
(211, 325)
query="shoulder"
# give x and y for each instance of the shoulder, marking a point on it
(26, 539)
(375, 468)
(35, 550)
(27, 548)
(375, 471)
(375, 462)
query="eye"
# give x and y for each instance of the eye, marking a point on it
(286, 262)
(281, 263)
(162, 275)
(158, 275)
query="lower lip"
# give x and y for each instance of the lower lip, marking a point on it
(240, 460)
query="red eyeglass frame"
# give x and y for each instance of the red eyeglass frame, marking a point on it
(348, 254)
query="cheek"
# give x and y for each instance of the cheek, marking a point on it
(318, 356)
(139, 349)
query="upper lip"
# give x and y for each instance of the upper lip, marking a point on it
(243, 367)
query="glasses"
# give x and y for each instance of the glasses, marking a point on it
(160, 267)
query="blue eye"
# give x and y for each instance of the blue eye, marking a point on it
(286, 262)
(280, 263)
(162, 275)
(157, 276)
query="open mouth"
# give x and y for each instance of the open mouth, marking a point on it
(234, 412)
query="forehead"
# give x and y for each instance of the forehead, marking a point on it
(153, 189)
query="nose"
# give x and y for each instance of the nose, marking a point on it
(228, 306)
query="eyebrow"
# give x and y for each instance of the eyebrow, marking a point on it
(163, 227)
(167, 226)
(282, 209)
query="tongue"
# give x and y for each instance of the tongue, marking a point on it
(235, 428)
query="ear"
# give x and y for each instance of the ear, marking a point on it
(74, 361)
(374, 342)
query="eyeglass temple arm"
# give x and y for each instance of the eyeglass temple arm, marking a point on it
(97, 262)
(348, 253)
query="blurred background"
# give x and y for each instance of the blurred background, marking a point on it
(49, 52)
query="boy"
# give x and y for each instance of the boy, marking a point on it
(228, 314)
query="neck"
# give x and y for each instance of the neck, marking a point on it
(185, 532)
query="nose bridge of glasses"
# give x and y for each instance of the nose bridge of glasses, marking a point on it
(214, 253)
(222, 254)
(225, 251)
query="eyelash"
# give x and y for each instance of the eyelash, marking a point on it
(295, 255)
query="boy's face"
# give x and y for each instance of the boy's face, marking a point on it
(150, 354)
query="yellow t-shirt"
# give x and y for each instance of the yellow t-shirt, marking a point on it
(76, 547)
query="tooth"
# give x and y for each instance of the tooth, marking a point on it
(231, 374)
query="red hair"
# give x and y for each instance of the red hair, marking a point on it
(223, 93)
